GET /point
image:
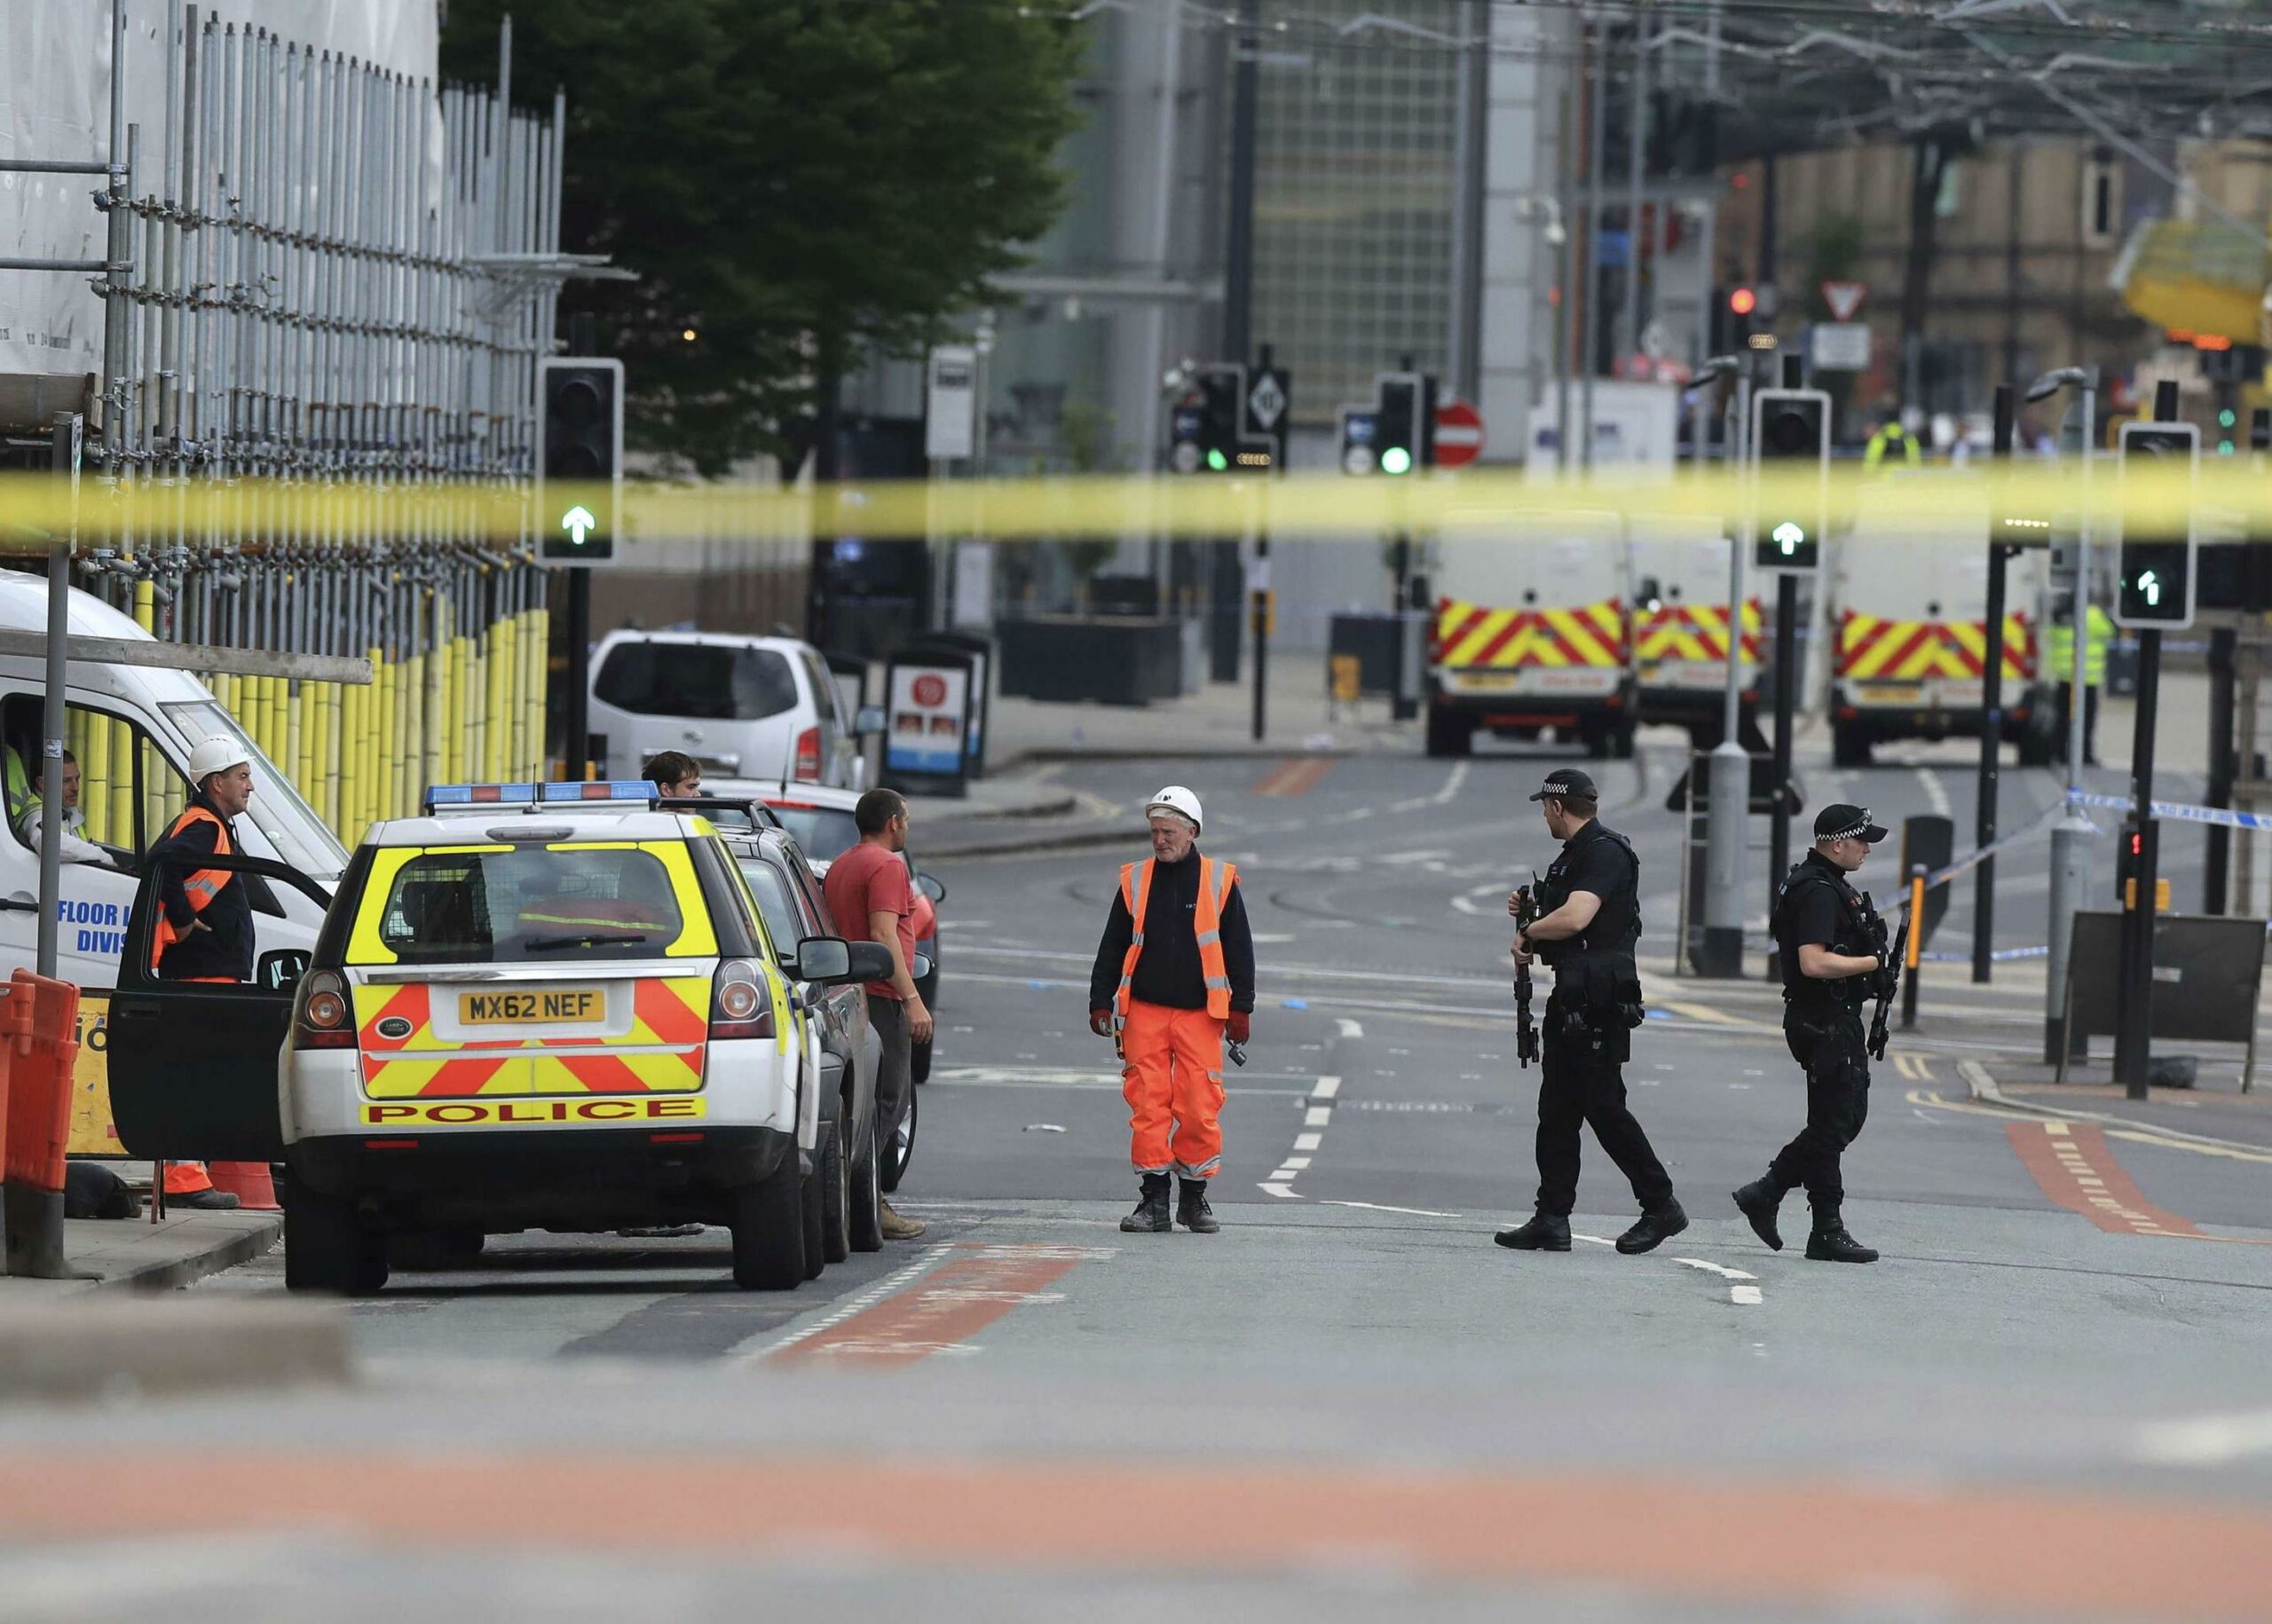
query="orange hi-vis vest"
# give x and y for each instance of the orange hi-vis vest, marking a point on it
(1215, 881)
(202, 885)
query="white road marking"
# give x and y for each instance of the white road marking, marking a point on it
(1326, 1089)
(1350, 1029)
(1296, 1164)
(1592, 1240)
(1746, 1297)
(1284, 1190)
(2205, 1440)
(1742, 1295)
(932, 1256)
(1263, 938)
(1937, 793)
(1317, 1116)
(1458, 777)
(1308, 1142)
(1374, 1206)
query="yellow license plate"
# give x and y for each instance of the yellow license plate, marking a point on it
(1895, 693)
(547, 1006)
(1485, 681)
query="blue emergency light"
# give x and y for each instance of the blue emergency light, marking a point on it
(479, 795)
(604, 789)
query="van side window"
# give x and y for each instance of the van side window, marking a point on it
(128, 792)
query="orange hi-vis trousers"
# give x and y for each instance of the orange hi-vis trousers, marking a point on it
(1172, 1075)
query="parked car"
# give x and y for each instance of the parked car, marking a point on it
(790, 903)
(745, 708)
(821, 821)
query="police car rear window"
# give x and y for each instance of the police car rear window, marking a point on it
(530, 905)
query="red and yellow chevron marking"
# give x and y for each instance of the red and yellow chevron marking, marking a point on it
(1908, 650)
(663, 1052)
(1468, 635)
(1694, 631)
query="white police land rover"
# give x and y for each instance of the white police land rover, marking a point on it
(538, 1007)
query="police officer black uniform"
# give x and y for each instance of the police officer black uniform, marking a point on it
(1590, 918)
(1826, 939)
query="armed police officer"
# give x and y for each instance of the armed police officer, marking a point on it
(1828, 940)
(1589, 919)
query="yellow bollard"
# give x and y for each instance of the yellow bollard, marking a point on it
(119, 739)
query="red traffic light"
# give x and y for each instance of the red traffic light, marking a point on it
(1742, 300)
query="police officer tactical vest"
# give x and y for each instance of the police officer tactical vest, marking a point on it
(1616, 927)
(1856, 932)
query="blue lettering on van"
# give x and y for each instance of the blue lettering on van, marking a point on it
(103, 942)
(75, 911)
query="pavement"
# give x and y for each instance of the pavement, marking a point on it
(2046, 1400)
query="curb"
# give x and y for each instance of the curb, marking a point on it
(171, 1273)
(1070, 840)
(1984, 1088)
(121, 1347)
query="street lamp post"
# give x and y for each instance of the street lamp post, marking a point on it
(2073, 834)
(1722, 952)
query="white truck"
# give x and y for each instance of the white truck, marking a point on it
(1530, 635)
(1680, 632)
(1908, 630)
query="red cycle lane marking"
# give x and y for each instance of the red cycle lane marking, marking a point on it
(1295, 777)
(2074, 1167)
(1968, 1549)
(940, 1310)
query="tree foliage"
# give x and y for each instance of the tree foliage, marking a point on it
(792, 180)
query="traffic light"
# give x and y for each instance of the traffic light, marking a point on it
(1359, 425)
(1404, 421)
(579, 465)
(2156, 585)
(1790, 436)
(1205, 429)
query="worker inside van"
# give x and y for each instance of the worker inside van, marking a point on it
(76, 846)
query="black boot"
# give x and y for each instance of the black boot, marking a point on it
(1758, 1201)
(1545, 1232)
(1191, 1208)
(1151, 1215)
(1654, 1229)
(1830, 1242)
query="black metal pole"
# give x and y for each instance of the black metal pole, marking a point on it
(1991, 715)
(1238, 239)
(1786, 687)
(2135, 1011)
(1261, 596)
(2224, 767)
(580, 676)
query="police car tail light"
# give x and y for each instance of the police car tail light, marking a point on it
(740, 1003)
(326, 1019)
(809, 753)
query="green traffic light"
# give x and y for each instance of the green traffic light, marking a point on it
(1396, 460)
(1217, 460)
(2226, 418)
(2224, 448)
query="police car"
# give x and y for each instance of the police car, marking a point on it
(537, 1006)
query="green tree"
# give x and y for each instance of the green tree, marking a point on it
(794, 181)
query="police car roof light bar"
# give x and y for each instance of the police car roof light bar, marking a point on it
(440, 797)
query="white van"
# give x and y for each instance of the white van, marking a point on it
(1680, 632)
(132, 729)
(744, 708)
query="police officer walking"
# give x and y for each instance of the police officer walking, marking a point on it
(1589, 919)
(1826, 939)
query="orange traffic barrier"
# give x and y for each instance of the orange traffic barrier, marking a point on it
(250, 1182)
(39, 1024)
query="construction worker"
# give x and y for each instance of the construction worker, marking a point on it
(1174, 976)
(1590, 918)
(205, 932)
(1826, 942)
(2059, 667)
(76, 847)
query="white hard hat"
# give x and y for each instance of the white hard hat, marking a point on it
(216, 753)
(1177, 800)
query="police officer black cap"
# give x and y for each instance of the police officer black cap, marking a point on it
(1845, 822)
(1565, 784)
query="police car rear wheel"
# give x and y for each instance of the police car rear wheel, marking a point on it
(769, 1230)
(836, 1187)
(327, 1248)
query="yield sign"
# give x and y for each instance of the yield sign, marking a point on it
(1459, 434)
(1844, 298)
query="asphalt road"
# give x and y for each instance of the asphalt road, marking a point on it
(2048, 1400)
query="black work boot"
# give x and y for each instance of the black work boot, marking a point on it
(1151, 1215)
(1830, 1242)
(1191, 1208)
(1654, 1229)
(1758, 1202)
(1545, 1232)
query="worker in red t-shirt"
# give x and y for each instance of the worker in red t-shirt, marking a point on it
(870, 898)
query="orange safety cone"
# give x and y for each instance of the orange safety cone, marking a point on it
(249, 1182)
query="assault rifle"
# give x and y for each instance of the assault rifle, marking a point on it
(1894, 960)
(1525, 1032)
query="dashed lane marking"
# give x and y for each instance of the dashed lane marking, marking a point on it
(2072, 1165)
(959, 1289)
(1937, 793)
(2205, 1440)
(1351, 1030)
(1743, 1290)
(1374, 1206)
(1327, 1088)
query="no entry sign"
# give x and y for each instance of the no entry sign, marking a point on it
(1459, 434)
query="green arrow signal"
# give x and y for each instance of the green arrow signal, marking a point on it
(578, 523)
(1788, 537)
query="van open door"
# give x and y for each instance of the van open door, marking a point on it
(192, 1064)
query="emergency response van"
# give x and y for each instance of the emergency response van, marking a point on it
(1908, 632)
(1532, 636)
(1680, 632)
(130, 730)
(534, 1008)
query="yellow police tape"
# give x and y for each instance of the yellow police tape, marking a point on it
(2227, 500)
